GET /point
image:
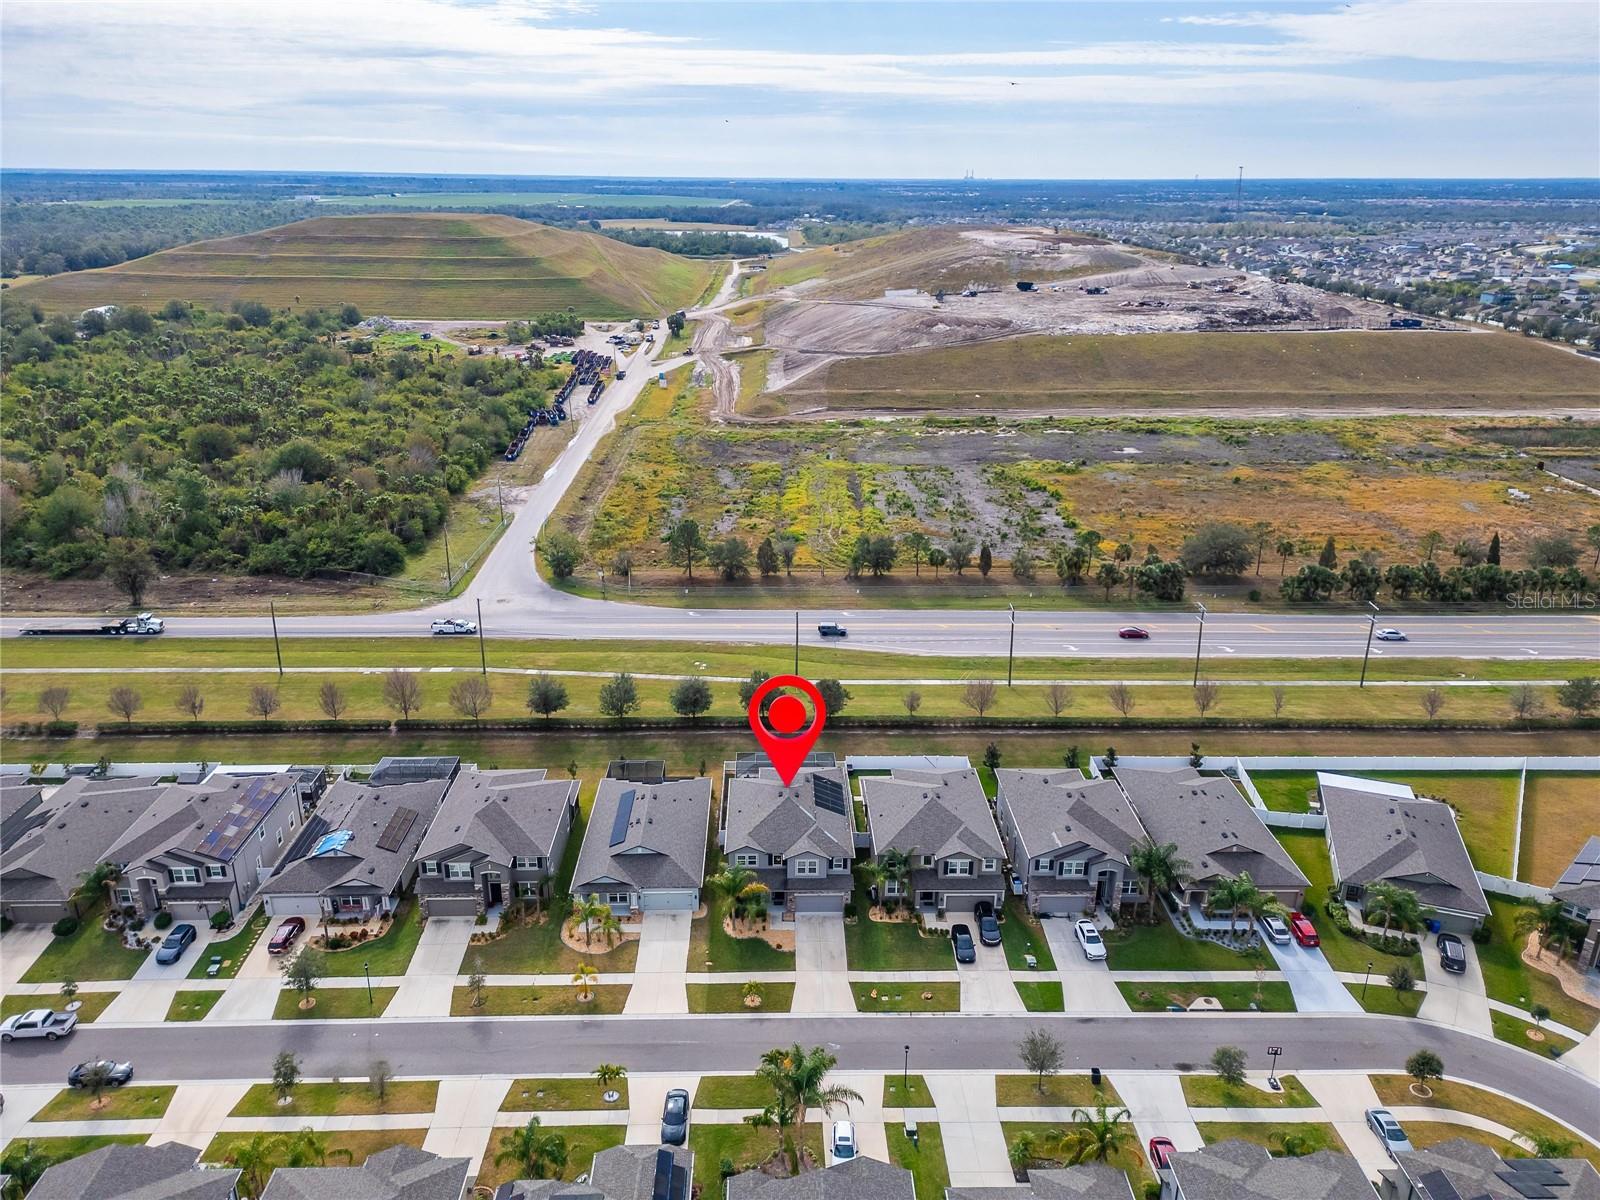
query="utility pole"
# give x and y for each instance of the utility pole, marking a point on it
(500, 495)
(1238, 195)
(1011, 650)
(483, 657)
(797, 641)
(445, 529)
(1372, 625)
(1199, 637)
(277, 649)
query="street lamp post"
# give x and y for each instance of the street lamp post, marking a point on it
(1272, 1074)
(366, 969)
(905, 1075)
(1199, 637)
(1372, 625)
(1364, 979)
(277, 648)
(483, 655)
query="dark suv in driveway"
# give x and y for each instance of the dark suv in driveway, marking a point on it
(961, 939)
(1452, 954)
(177, 942)
(988, 925)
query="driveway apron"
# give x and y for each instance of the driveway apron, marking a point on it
(1086, 987)
(822, 980)
(659, 985)
(1312, 980)
(1457, 1000)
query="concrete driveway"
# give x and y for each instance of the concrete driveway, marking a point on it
(1345, 1099)
(969, 1122)
(659, 983)
(986, 984)
(1086, 987)
(1159, 1108)
(647, 1095)
(1457, 1000)
(20, 946)
(821, 979)
(1315, 986)
(429, 981)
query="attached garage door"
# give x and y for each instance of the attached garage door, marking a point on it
(662, 900)
(292, 906)
(819, 904)
(451, 906)
(1062, 905)
(962, 903)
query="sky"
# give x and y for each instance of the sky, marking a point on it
(1059, 90)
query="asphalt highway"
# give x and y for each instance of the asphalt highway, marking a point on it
(434, 1048)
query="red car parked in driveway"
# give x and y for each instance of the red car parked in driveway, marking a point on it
(285, 934)
(1160, 1148)
(1304, 931)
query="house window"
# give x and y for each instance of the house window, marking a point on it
(807, 866)
(458, 870)
(839, 864)
(1131, 887)
(214, 871)
(124, 895)
(774, 860)
(927, 860)
(618, 898)
(1040, 864)
(1071, 868)
(280, 837)
(261, 834)
(523, 862)
(958, 866)
(990, 866)
(527, 889)
(352, 903)
(747, 860)
(891, 887)
(184, 875)
(430, 866)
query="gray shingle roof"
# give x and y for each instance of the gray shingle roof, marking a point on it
(502, 814)
(1236, 1170)
(1413, 843)
(365, 811)
(398, 1173)
(764, 814)
(21, 804)
(1580, 883)
(931, 813)
(1477, 1171)
(617, 1173)
(858, 1179)
(120, 1172)
(1054, 810)
(183, 816)
(1089, 1181)
(664, 844)
(1213, 826)
(70, 833)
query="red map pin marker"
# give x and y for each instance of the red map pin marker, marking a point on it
(782, 729)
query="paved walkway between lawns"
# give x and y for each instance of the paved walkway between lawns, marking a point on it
(969, 1121)
(429, 981)
(1156, 1104)
(1086, 987)
(1457, 1000)
(1345, 1099)
(1312, 980)
(986, 985)
(663, 963)
(464, 1118)
(821, 974)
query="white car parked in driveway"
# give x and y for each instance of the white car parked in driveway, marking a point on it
(1275, 929)
(841, 1143)
(1094, 948)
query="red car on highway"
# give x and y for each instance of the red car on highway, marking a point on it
(1304, 931)
(285, 934)
(1133, 632)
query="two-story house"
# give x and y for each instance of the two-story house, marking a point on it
(498, 836)
(943, 822)
(199, 848)
(1579, 890)
(799, 840)
(1068, 839)
(645, 845)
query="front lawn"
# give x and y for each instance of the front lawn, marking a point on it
(333, 1004)
(1463, 1097)
(1043, 996)
(89, 952)
(116, 1104)
(234, 950)
(930, 1173)
(583, 1143)
(1021, 933)
(913, 1093)
(1286, 791)
(711, 948)
(387, 954)
(741, 1144)
(1309, 849)
(553, 1000)
(1510, 980)
(90, 1004)
(1424, 1134)
(1381, 998)
(562, 1095)
(892, 945)
(1160, 947)
(1047, 1150)
(1209, 1091)
(1557, 809)
(1486, 810)
(536, 948)
(1060, 1091)
(733, 1091)
(1234, 997)
(353, 1099)
(1517, 1032)
(1319, 1135)
(359, 1142)
(193, 1005)
(910, 996)
(729, 998)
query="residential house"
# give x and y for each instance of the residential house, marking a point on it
(617, 1173)
(398, 1173)
(1579, 889)
(122, 1172)
(1088, 1181)
(1384, 833)
(1464, 1168)
(1068, 839)
(944, 822)
(48, 845)
(357, 854)
(645, 845)
(798, 839)
(1216, 831)
(201, 848)
(1237, 1170)
(498, 836)
(854, 1179)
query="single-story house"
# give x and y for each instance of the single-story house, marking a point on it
(943, 821)
(1464, 1168)
(799, 839)
(859, 1178)
(398, 1173)
(498, 836)
(1068, 839)
(617, 1173)
(357, 853)
(1087, 1181)
(645, 845)
(170, 1171)
(1216, 831)
(52, 843)
(1238, 1170)
(200, 848)
(1383, 832)
(1579, 889)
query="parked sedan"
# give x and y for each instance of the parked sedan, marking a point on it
(961, 939)
(118, 1073)
(177, 942)
(1394, 1139)
(38, 1023)
(675, 1118)
(1161, 1149)
(988, 924)
(1272, 925)
(1134, 633)
(1452, 954)
(1390, 635)
(284, 935)
(1304, 931)
(1094, 948)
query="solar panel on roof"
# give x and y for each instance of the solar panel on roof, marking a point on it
(1439, 1186)
(233, 829)
(826, 794)
(394, 834)
(680, 1183)
(619, 823)
(662, 1188)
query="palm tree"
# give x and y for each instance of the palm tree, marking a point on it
(586, 910)
(1540, 919)
(257, 1159)
(730, 883)
(96, 1078)
(1096, 1135)
(1239, 894)
(1158, 865)
(896, 866)
(534, 1151)
(93, 888)
(609, 1073)
(609, 926)
(1547, 1145)
(1022, 1151)
(1295, 1143)
(873, 876)
(585, 977)
(1393, 906)
(308, 1148)
(801, 1076)
(777, 1115)
(25, 1164)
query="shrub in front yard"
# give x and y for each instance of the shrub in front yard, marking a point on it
(162, 919)
(221, 919)
(65, 927)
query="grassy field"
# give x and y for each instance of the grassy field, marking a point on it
(502, 199)
(909, 996)
(1463, 1097)
(711, 948)
(1526, 1036)
(1208, 1091)
(1430, 1133)
(1557, 818)
(892, 945)
(1286, 791)
(1381, 998)
(387, 954)
(1486, 810)
(558, 1000)
(1319, 1134)
(1060, 1091)
(339, 1100)
(440, 265)
(135, 1103)
(334, 1004)
(1161, 947)
(732, 1091)
(562, 1095)
(1046, 1141)
(88, 953)
(1021, 934)
(913, 1093)
(742, 1145)
(1044, 996)
(1235, 997)
(930, 1172)
(90, 1004)
(729, 998)
(1507, 978)
(192, 1005)
(536, 948)
(583, 1143)
(234, 950)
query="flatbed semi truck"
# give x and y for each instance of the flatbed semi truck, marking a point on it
(144, 625)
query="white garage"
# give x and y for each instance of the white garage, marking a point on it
(669, 900)
(309, 907)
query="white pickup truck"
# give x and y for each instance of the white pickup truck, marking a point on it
(37, 1023)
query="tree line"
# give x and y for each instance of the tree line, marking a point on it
(696, 243)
